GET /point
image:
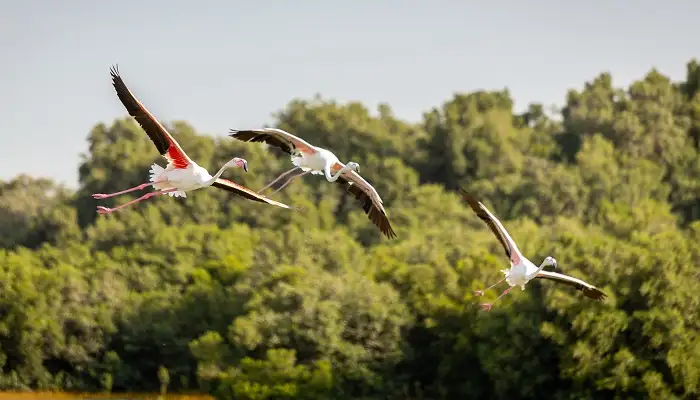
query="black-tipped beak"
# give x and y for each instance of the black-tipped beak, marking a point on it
(245, 166)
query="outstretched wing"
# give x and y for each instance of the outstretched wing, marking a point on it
(497, 228)
(245, 192)
(165, 143)
(588, 290)
(368, 198)
(275, 137)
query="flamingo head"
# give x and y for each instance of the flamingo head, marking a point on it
(551, 261)
(239, 162)
(352, 165)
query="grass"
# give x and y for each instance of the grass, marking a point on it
(96, 396)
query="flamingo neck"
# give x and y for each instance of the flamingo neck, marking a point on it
(540, 268)
(216, 175)
(333, 178)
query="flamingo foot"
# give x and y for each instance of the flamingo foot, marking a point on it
(479, 292)
(104, 210)
(139, 187)
(486, 307)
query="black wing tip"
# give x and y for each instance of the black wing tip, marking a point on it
(114, 70)
(594, 293)
(468, 196)
(385, 227)
(116, 77)
(381, 220)
(389, 230)
(282, 205)
(236, 134)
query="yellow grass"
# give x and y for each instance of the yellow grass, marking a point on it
(96, 396)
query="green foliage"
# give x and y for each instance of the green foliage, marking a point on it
(277, 377)
(246, 301)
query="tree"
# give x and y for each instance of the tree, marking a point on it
(248, 301)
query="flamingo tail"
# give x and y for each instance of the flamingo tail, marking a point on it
(160, 181)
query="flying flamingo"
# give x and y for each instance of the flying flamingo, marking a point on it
(523, 270)
(319, 161)
(181, 174)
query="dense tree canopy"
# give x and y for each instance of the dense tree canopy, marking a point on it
(248, 301)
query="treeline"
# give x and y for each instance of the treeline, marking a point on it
(215, 293)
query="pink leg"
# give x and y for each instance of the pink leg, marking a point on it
(139, 187)
(481, 292)
(487, 306)
(105, 210)
(287, 183)
(278, 178)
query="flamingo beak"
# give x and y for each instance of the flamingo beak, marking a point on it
(245, 165)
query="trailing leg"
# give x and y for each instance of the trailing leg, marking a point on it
(289, 180)
(278, 178)
(487, 306)
(105, 210)
(139, 187)
(481, 292)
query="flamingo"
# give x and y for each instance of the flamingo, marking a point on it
(523, 270)
(318, 161)
(181, 174)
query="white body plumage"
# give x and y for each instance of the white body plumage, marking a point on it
(191, 178)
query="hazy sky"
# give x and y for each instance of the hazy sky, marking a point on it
(224, 64)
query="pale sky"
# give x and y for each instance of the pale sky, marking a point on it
(230, 64)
